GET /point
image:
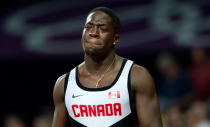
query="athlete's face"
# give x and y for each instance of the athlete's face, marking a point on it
(98, 34)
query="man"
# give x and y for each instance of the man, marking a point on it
(106, 89)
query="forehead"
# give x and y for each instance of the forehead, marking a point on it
(99, 17)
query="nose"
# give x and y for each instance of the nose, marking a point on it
(94, 32)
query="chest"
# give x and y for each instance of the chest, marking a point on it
(88, 105)
(107, 105)
(90, 81)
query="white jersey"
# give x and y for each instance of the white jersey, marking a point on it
(100, 107)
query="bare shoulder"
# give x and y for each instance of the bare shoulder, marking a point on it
(60, 82)
(141, 79)
(58, 92)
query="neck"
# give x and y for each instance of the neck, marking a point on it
(98, 64)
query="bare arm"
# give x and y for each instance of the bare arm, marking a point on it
(147, 105)
(60, 113)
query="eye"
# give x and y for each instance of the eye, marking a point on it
(88, 26)
(103, 28)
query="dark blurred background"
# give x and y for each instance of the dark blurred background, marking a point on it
(40, 40)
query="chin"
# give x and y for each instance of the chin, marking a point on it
(92, 52)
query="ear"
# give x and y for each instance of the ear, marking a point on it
(116, 39)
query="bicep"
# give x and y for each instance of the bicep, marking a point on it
(147, 108)
(60, 113)
(60, 116)
(147, 105)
